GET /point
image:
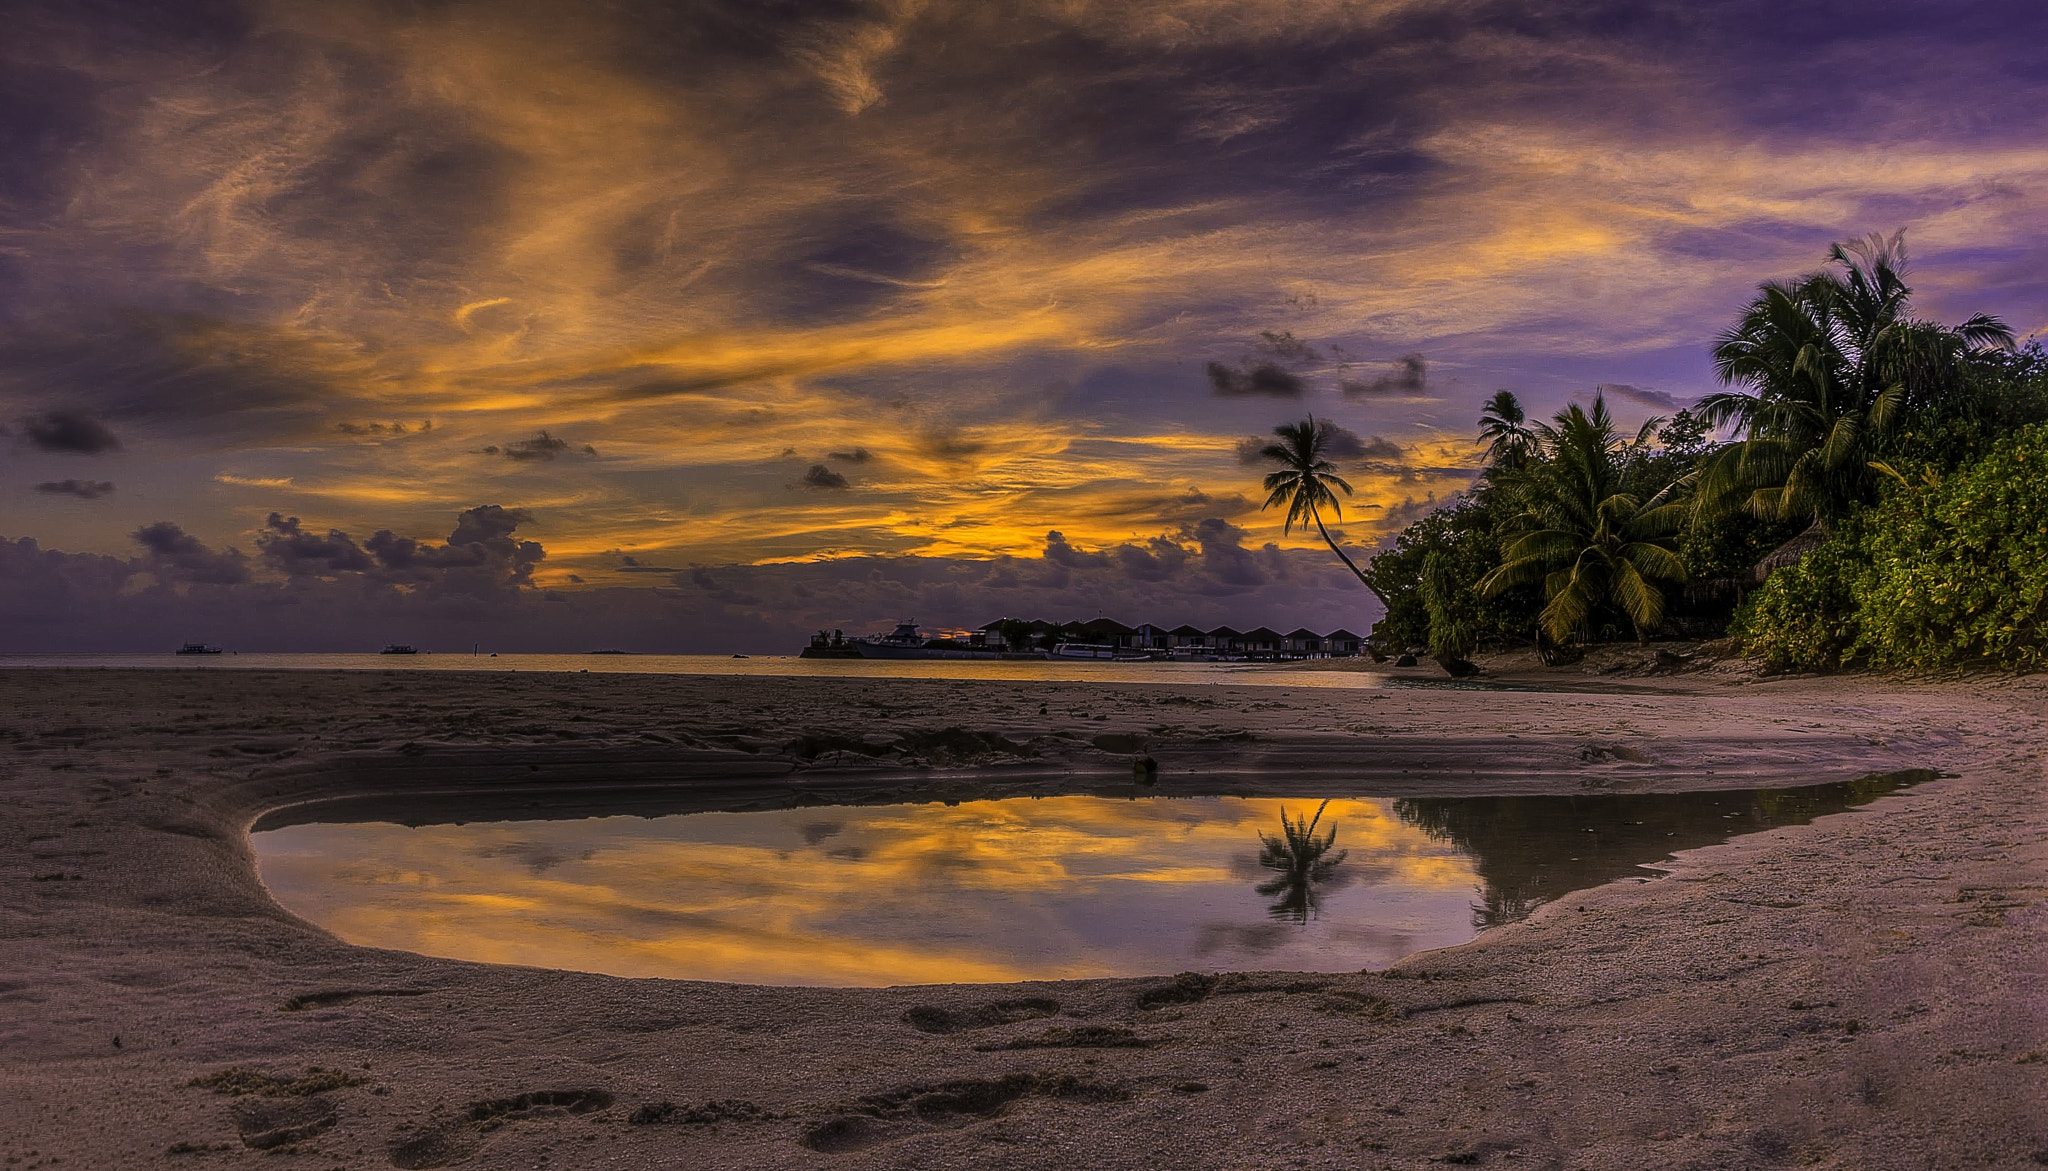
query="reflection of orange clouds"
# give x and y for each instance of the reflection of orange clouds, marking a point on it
(979, 891)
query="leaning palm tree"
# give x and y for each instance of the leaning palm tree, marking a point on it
(1587, 539)
(1503, 427)
(1303, 483)
(1827, 366)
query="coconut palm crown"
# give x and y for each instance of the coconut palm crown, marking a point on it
(1588, 540)
(1504, 428)
(1827, 365)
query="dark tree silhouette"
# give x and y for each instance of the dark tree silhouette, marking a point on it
(1504, 428)
(1303, 482)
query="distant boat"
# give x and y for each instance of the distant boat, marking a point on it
(1083, 650)
(1101, 651)
(400, 648)
(198, 648)
(611, 652)
(740, 656)
(1196, 654)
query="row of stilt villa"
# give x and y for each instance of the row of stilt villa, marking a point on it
(1102, 638)
(1259, 643)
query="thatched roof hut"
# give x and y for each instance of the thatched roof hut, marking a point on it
(1791, 552)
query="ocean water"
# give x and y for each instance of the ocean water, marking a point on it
(1032, 670)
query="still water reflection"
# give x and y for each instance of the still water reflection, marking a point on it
(993, 890)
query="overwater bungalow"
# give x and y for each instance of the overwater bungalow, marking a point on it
(1036, 636)
(1263, 643)
(1106, 632)
(1026, 634)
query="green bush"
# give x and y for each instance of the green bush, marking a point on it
(1804, 619)
(1939, 575)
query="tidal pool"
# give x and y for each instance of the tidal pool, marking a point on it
(996, 890)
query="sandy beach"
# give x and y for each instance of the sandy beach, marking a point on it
(1870, 990)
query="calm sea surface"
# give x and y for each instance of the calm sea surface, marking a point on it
(996, 890)
(1060, 670)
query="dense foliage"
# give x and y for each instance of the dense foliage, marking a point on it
(1907, 457)
(1588, 536)
(1465, 539)
(1568, 497)
(1947, 571)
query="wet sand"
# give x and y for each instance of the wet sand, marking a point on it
(1867, 991)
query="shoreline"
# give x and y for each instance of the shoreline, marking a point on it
(1327, 672)
(167, 939)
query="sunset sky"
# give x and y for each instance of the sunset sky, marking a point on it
(695, 326)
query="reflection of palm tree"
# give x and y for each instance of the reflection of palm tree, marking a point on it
(1497, 908)
(1527, 851)
(1300, 858)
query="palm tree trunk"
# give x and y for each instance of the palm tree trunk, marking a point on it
(1348, 562)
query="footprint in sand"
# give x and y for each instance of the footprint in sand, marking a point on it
(450, 1142)
(341, 996)
(894, 1114)
(927, 1018)
(266, 1123)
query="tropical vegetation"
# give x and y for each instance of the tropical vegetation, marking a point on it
(1946, 571)
(1879, 498)
(1829, 365)
(1588, 538)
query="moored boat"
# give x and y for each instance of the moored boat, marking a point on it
(1083, 650)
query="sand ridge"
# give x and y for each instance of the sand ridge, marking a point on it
(1871, 990)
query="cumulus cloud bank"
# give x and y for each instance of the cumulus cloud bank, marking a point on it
(308, 587)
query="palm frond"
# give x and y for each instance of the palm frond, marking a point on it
(1643, 602)
(1982, 331)
(1654, 561)
(1572, 600)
